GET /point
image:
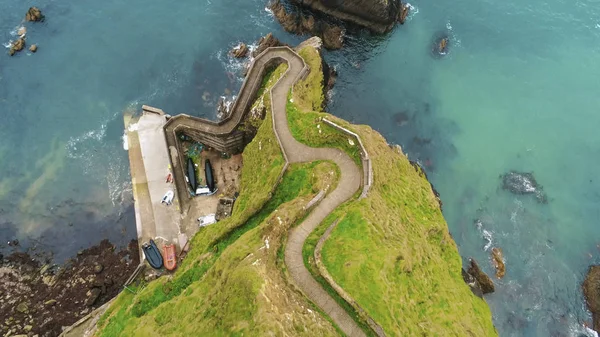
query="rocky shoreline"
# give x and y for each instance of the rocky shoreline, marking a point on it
(591, 291)
(39, 299)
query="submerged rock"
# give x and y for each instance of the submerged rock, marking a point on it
(523, 183)
(591, 291)
(487, 286)
(498, 260)
(240, 51)
(401, 118)
(34, 14)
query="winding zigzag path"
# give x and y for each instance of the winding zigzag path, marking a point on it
(349, 183)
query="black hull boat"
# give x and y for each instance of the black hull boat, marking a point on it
(191, 168)
(208, 171)
(152, 254)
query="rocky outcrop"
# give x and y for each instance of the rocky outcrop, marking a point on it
(240, 51)
(441, 45)
(523, 183)
(265, 42)
(498, 260)
(591, 291)
(16, 46)
(484, 281)
(294, 22)
(34, 14)
(378, 15)
(33, 48)
(330, 76)
(403, 14)
(22, 31)
(472, 283)
(42, 298)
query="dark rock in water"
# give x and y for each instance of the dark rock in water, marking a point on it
(34, 14)
(472, 283)
(523, 183)
(329, 78)
(487, 286)
(591, 291)
(333, 36)
(441, 45)
(33, 48)
(378, 16)
(240, 51)
(293, 22)
(265, 42)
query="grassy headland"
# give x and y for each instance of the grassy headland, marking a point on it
(391, 251)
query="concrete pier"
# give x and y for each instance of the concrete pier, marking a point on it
(150, 166)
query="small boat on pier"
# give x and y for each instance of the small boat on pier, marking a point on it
(152, 254)
(170, 256)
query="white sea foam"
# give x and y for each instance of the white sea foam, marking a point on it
(598, 25)
(268, 10)
(413, 10)
(133, 127)
(454, 39)
(489, 237)
(125, 141)
(73, 144)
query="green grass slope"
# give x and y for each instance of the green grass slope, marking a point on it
(391, 251)
(131, 315)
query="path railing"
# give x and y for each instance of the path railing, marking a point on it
(366, 161)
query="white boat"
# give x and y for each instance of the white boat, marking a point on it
(168, 198)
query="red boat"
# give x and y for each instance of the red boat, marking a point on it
(170, 256)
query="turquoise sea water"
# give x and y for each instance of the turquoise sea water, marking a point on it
(518, 91)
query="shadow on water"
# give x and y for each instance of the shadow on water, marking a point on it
(75, 227)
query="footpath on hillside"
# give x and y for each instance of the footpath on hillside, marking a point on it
(296, 152)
